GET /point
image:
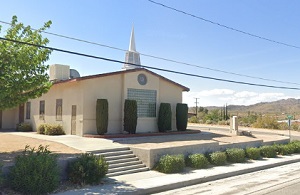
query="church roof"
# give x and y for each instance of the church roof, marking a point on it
(122, 72)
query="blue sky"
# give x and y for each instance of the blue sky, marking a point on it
(168, 34)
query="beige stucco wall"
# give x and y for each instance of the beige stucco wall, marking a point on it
(71, 94)
(10, 118)
(107, 87)
(145, 124)
(84, 94)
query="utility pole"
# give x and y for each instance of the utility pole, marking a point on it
(196, 107)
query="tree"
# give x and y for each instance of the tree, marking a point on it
(23, 74)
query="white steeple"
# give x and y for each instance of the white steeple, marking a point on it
(132, 56)
(132, 41)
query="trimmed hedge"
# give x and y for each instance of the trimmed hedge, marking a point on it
(164, 117)
(218, 158)
(87, 169)
(296, 145)
(24, 127)
(54, 130)
(102, 116)
(268, 151)
(181, 116)
(171, 164)
(130, 116)
(235, 155)
(198, 161)
(35, 172)
(253, 153)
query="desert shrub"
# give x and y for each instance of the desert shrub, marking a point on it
(130, 116)
(268, 151)
(253, 153)
(24, 127)
(235, 155)
(164, 121)
(102, 116)
(87, 169)
(197, 161)
(35, 171)
(41, 129)
(296, 145)
(218, 158)
(283, 126)
(266, 122)
(54, 130)
(171, 164)
(193, 119)
(181, 116)
(295, 126)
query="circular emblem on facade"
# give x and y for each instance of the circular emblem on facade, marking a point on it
(142, 79)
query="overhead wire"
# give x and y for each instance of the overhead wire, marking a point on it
(161, 58)
(225, 26)
(149, 67)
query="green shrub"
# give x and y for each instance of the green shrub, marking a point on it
(181, 116)
(296, 145)
(87, 169)
(54, 130)
(171, 164)
(218, 158)
(35, 171)
(102, 116)
(193, 119)
(130, 116)
(41, 129)
(253, 153)
(268, 151)
(235, 155)
(266, 122)
(24, 127)
(198, 161)
(164, 117)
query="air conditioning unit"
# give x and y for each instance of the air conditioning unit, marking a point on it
(59, 72)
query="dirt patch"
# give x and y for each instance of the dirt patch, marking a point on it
(13, 145)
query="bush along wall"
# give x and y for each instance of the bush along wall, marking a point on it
(102, 116)
(181, 116)
(130, 116)
(164, 117)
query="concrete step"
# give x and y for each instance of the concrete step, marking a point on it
(127, 172)
(108, 150)
(124, 164)
(111, 162)
(115, 153)
(109, 158)
(125, 168)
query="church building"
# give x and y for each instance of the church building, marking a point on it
(71, 101)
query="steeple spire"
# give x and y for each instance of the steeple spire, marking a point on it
(132, 56)
(132, 41)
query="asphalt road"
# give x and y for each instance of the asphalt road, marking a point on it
(276, 181)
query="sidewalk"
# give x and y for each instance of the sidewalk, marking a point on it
(152, 181)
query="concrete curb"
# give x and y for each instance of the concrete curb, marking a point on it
(181, 184)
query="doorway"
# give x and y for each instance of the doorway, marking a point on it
(21, 113)
(0, 119)
(73, 120)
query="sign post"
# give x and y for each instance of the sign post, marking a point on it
(289, 124)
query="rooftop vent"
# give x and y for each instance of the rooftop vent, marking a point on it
(74, 74)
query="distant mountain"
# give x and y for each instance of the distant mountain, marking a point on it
(277, 107)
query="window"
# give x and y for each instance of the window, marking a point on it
(28, 107)
(59, 109)
(146, 101)
(42, 109)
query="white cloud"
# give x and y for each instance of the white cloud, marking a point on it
(219, 97)
(212, 92)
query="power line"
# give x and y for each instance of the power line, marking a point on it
(149, 67)
(161, 58)
(224, 26)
